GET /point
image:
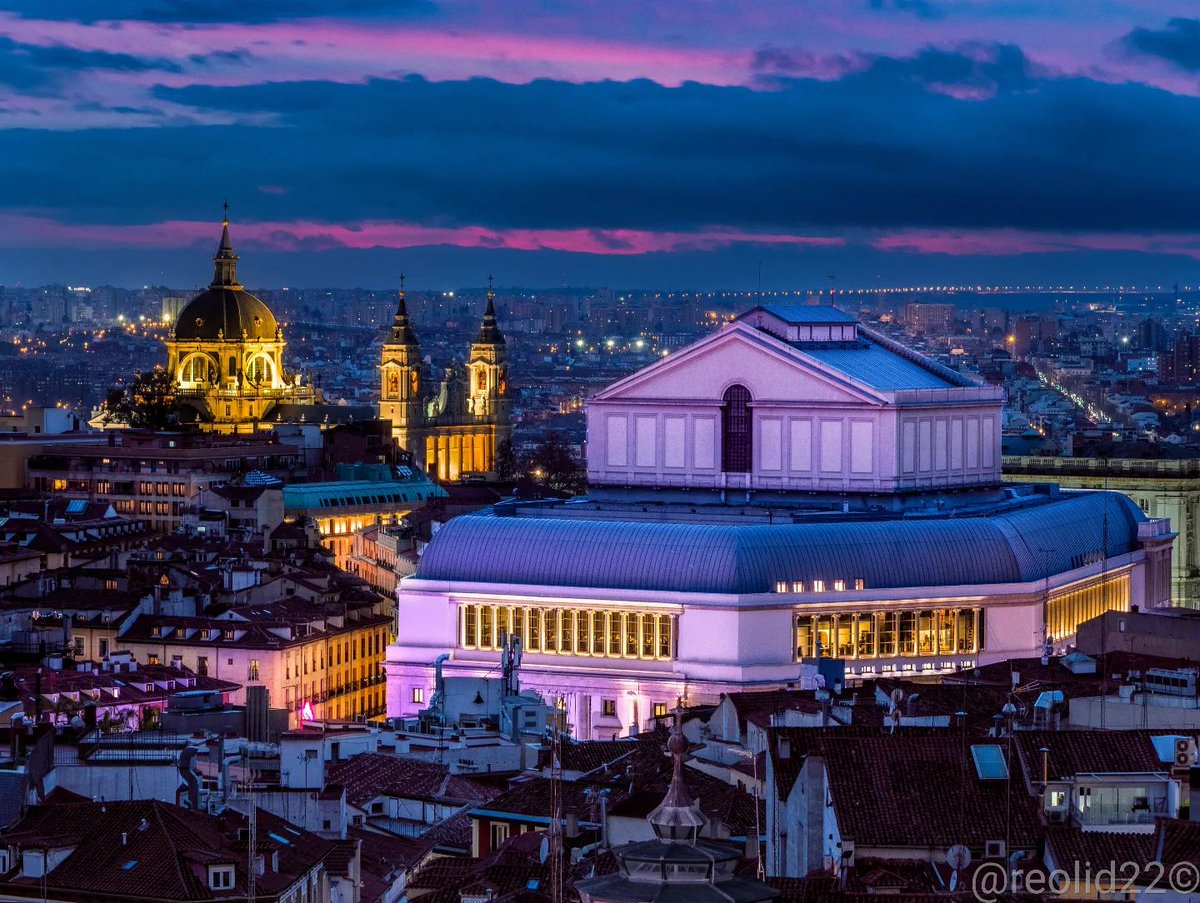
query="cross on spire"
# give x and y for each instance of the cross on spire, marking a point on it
(225, 212)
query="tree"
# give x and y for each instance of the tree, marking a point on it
(147, 403)
(508, 466)
(553, 464)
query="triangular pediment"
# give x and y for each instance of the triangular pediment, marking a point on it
(771, 369)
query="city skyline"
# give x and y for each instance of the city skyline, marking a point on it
(881, 142)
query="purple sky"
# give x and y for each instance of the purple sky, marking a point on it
(619, 142)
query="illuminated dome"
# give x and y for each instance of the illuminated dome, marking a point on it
(225, 310)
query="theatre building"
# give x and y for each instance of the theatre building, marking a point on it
(794, 485)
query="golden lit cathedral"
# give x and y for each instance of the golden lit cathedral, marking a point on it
(454, 430)
(226, 356)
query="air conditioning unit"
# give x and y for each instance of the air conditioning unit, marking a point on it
(995, 849)
(1185, 752)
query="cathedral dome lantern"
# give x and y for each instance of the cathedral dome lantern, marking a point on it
(225, 308)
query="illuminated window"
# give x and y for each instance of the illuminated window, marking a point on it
(259, 370)
(736, 430)
(804, 637)
(887, 633)
(253, 669)
(608, 707)
(797, 586)
(845, 636)
(565, 631)
(1066, 611)
(418, 694)
(660, 709)
(818, 586)
(781, 586)
(859, 583)
(839, 586)
(884, 634)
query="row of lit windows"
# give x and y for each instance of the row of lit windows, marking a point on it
(887, 634)
(179, 490)
(1067, 611)
(565, 631)
(818, 586)
(312, 655)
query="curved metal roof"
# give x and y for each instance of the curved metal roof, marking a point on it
(1012, 546)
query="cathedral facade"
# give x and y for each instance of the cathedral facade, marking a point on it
(453, 429)
(226, 356)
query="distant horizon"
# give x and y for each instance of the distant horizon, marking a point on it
(189, 270)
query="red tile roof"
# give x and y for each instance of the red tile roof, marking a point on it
(370, 775)
(1083, 752)
(148, 850)
(909, 791)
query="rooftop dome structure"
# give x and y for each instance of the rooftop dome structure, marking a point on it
(678, 864)
(225, 310)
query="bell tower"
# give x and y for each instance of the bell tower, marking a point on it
(488, 366)
(400, 374)
(488, 395)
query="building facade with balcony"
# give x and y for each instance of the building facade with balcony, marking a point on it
(319, 662)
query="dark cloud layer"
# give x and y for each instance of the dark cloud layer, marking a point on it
(1177, 44)
(876, 149)
(33, 69)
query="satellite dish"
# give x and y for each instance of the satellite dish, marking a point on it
(958, 857)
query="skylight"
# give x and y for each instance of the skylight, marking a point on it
(990, 764)
(129, 866)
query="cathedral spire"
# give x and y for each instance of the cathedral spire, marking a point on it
(489, 332)
(402, 331)
(225, 261)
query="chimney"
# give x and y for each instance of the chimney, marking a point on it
(124, 838)
(785, 747)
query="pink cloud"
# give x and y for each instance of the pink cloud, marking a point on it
(37, 231)
(1004, 242)
(351, 51)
